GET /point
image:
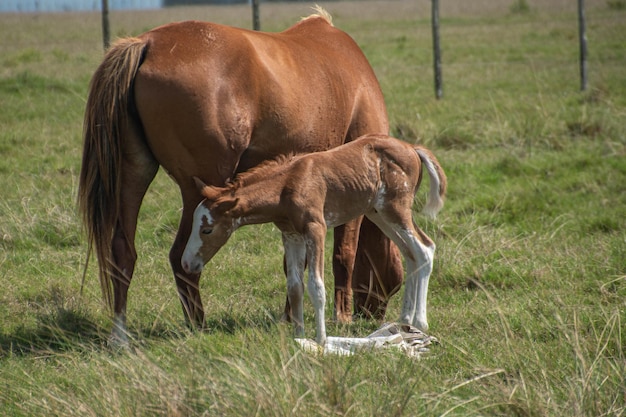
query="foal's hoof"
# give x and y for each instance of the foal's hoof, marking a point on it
(420, 325)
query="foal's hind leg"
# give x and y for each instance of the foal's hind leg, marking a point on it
(418, 250)
(419, 258)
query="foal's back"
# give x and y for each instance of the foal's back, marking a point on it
(351, 180)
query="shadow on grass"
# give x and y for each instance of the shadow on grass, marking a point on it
(232, 323)
(55, 323)
(58, 331)
(65, 330)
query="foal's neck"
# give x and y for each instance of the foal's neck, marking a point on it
(259, 202)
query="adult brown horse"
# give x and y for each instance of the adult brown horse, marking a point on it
(206, 100)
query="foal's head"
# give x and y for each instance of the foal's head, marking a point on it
(213, 224)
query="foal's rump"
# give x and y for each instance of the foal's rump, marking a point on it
(396, 155)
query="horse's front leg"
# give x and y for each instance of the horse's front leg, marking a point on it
(314, 238)
(188, 285)
(294, 263)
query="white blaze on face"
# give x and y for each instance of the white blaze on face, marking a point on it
(192, 259)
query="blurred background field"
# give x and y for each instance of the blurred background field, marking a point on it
(528, 295)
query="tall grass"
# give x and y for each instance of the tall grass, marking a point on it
(528, 293)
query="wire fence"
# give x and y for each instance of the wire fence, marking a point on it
(449, 63)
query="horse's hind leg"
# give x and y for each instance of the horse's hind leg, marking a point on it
(137, 172)
(345, 247)
(378, 272)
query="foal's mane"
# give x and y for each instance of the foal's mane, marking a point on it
(261, 171)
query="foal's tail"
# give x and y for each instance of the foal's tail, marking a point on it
(107, 113)
(438, 181)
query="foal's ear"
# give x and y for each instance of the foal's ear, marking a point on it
(199, 184)
(207, 191)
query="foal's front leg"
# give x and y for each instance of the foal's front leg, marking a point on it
(314, 238)
(295, 258)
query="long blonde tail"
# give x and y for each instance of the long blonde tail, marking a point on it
(106, 115)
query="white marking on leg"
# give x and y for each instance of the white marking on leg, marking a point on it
(119, 333)
(315, 286)
(420, 275)
(317, 293)
(409, 299)
(419, 260)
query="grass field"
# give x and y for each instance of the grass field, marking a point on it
(528, 295)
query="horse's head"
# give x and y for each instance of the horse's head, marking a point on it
(213, 224)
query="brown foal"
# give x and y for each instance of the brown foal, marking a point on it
(375, 175)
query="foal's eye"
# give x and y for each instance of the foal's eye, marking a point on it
(207, 231)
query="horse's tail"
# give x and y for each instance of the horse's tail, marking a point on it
(438, 181)
(106, 117)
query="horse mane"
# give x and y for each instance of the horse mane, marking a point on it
(320, 12)
(263, 170)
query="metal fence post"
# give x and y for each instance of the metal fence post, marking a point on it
(256, 21)
(436, 49)
(583, 45)
(106, 33)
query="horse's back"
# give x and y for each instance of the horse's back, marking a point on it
(218, 91)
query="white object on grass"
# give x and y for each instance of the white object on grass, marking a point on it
(390, 335)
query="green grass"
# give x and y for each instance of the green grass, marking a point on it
(528, 295)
